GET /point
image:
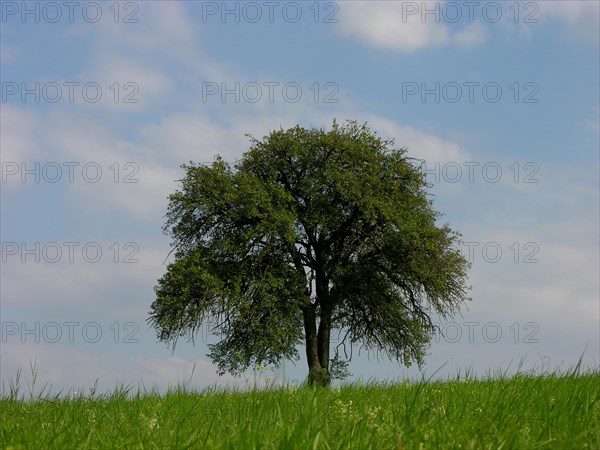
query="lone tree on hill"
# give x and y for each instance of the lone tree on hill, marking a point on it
(312, 231)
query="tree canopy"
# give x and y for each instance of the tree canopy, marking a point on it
(311, 232)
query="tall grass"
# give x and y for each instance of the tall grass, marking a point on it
(524, 411)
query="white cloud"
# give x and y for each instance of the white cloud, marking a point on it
(17, 139)
(131, 179)
(138, 65)
(185, 137)
(71, 368)
(398, 26)
(594, 124)
(408, 26)
(420, 145)
(580, 18)
(472, 35)
(127, 84)
(162, 26)
(558, 285)
(175, 371)
(8, 53)
(83, 287)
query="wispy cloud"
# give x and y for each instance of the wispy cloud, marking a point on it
(580, 19)
(18, 140)
(77, 370)
(401, 26)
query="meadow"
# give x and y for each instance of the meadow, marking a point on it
(522, 411)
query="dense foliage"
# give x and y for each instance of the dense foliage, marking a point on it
(312, 231)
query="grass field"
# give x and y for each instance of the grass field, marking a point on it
(526, 411)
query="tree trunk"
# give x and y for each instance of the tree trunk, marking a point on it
(323, 340)
(317, 343)
(317, 373)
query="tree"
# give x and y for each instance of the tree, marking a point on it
(312, 231)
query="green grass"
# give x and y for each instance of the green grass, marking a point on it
(526, 411)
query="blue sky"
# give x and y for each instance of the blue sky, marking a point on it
(513, 103)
